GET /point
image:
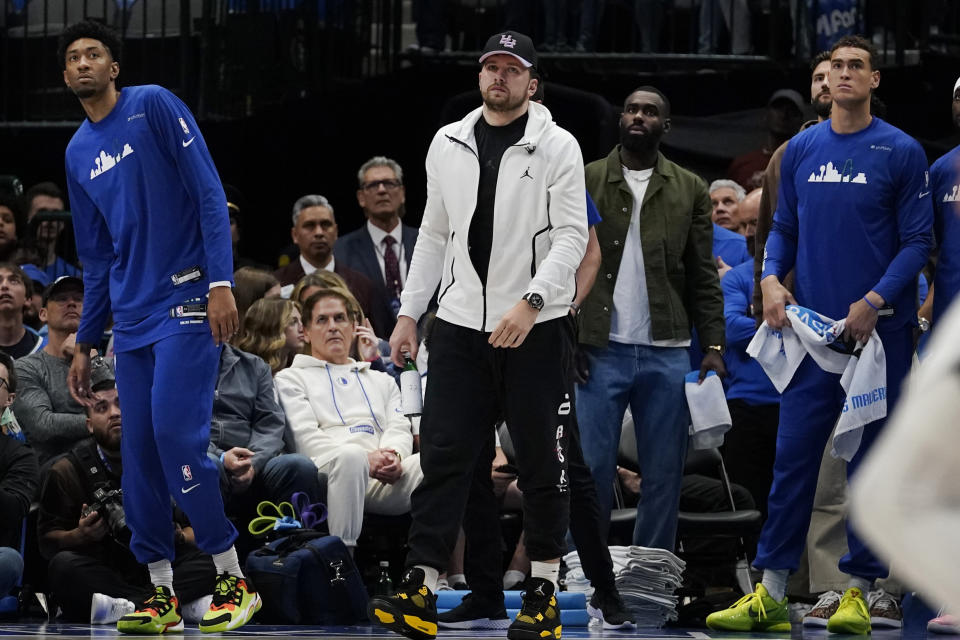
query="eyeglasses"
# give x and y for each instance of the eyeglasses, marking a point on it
(374, 185)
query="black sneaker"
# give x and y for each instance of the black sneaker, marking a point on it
(411, 611)
(475, 613)
(607, 607)
(539, 618)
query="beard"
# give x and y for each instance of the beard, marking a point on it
(637, 144)
(85, 92)
(503, 103)
(822, 108)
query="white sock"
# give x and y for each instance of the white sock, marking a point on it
(194, 611)
(161, 574)
(455, 578)
(860, 583)
(548, 571)
(512, 577)
(227, 562)
(430, 577)
(775, 582)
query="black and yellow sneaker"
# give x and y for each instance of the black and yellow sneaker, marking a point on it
(539, 618)
(411, 611)
(159, 614)
(234, 603)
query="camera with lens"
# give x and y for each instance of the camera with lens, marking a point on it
(109, 504)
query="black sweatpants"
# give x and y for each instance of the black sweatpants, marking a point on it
(750, 446)
(76, 575)
(471, 386)
(481, 525)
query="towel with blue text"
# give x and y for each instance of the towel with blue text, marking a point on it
(863, 368)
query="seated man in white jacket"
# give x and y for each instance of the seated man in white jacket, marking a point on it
(347, 419)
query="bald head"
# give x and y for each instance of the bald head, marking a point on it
(747, 213)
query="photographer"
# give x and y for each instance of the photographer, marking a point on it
(93, 574)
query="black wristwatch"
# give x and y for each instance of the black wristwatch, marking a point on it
(535, 300)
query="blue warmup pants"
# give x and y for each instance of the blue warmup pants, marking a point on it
(166, 397)
(809, 409)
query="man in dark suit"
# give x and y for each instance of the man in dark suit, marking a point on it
(383, 247)
(315, 234)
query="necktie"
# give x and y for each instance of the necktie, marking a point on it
(391, 268)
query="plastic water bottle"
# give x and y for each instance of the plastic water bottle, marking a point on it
(384, 583)
(411, 395)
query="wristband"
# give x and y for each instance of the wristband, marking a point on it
(871, 304)
(222, 456)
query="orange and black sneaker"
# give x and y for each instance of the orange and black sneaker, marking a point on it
(411, 611)
(159, 614)
(234, 604)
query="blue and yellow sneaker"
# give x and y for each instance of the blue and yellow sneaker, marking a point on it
(852, 615)
(539, 617)
(234, 604)
(755, 611)
(159, 614)
(411, 611)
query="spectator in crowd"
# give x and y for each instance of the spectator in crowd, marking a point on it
(310, 284)
(382, 248)
(648, 21)
(251, 284)
(94, 575)
(47, 196)
(502, 338)
(348, 420)
(273, 330)
(725, 198)
(729, 246)
(52, 420)
(635, 324)
(164, 211)
(16, 338)
(34, 295)
(735, 16)
(749, 210)
(846, 164)
(246, 437)
(9, 426)
(9, 218)
(315, 234)
(782, 118)
(18, 484)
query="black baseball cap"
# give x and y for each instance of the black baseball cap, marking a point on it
(102, 375)
(513, 44)
(62, 283)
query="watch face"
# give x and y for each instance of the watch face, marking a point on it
(535, 300)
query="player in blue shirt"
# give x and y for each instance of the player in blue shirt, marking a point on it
(153, 234)
(945, 184)
(854, 221)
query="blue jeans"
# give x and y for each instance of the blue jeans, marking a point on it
(281, 477)
(11, 568)
(650, 380)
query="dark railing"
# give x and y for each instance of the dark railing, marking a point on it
(230, 58)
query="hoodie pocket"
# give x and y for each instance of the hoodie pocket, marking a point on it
(539, 248)
(452, 278)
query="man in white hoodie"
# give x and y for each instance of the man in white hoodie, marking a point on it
(347, 419)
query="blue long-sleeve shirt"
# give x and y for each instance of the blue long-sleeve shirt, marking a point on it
(945, 183)
(853, 215)
(746, 379)
(150, 215)
(730, 245)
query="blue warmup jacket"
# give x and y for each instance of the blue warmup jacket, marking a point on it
(746, 379)
(151, 220)
(730, 245)
(945, 183)
(853, 215)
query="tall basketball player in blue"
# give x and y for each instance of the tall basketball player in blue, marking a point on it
(153, 235)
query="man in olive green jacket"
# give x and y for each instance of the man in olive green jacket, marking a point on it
(657, 277)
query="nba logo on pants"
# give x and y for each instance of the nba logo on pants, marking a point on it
(185, 470)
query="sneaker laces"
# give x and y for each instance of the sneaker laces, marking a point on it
(749, 599)
(532, 604)
(161, 602)
(827, 600)
(882, 600)
(226, 591)
(859, 603)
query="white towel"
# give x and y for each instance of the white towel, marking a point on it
(863, 379)
(709, 414)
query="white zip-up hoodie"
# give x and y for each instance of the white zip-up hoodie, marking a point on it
(328, 405)
(539, 228)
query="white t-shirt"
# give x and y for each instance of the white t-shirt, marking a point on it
(630, 318)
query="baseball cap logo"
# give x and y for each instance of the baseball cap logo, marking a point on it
(508, 41)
